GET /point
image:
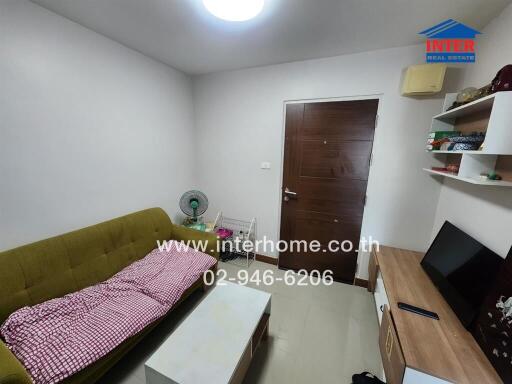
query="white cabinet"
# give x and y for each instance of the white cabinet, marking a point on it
(381, 299)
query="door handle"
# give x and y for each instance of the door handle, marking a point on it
(288, 192)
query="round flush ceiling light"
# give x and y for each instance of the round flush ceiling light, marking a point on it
(234, 10)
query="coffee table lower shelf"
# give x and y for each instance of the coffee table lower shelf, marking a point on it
(216, 342)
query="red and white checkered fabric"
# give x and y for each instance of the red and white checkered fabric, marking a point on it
(60, 337)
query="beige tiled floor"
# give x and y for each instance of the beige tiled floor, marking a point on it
(318, 335)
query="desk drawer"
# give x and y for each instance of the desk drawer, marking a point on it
(390, 350)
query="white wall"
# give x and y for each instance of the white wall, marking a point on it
(483, 212)
(89, 129)
(494, 50)
(239, 123)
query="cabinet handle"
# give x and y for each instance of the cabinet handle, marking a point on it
(389, 343)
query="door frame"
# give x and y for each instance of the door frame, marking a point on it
(376, 96)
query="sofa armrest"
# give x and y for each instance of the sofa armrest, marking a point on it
(193, 238)
(11, 370)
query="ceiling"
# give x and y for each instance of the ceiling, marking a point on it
(183, 35)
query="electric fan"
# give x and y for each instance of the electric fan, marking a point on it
(194, 204)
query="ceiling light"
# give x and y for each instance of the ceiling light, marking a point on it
(234, 10)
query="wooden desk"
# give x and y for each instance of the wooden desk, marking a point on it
(431, 351)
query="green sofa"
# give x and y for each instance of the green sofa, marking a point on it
(52, 268)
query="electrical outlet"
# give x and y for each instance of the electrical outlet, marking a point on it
(265, 165)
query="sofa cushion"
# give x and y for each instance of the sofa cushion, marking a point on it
(62, 336)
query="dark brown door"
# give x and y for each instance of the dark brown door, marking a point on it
(326, 164)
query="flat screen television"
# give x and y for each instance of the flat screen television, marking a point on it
(462, 269)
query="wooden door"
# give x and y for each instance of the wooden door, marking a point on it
(326, 164)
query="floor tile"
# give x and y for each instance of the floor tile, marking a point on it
(318, 334)
(271, 365)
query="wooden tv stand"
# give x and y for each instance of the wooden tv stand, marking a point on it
(416, 349)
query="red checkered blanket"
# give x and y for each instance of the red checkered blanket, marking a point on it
(60, 337)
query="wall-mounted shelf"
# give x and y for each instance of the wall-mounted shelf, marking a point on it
(489, 115)
(479, 105)
(494, 183)
(459, 152)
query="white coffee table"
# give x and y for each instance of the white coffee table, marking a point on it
(216, 342)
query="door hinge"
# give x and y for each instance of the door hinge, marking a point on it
(365, 200)
(376, 121)
(370, 161)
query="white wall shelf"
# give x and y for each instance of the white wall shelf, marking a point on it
(490, 115)
(459, 152)
(468, 109)
(494, 183)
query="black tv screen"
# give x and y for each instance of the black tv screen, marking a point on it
(462, 269)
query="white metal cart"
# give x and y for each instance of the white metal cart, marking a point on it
(240, 246)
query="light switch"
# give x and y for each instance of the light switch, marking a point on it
(265, 165)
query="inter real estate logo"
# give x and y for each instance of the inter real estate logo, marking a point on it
(450, 42)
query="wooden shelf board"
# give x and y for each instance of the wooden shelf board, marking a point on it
(496, 183)
(467, 109)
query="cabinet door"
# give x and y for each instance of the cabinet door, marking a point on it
(390, 350)
(373, 271)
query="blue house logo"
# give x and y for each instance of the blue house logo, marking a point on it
(450, 42)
